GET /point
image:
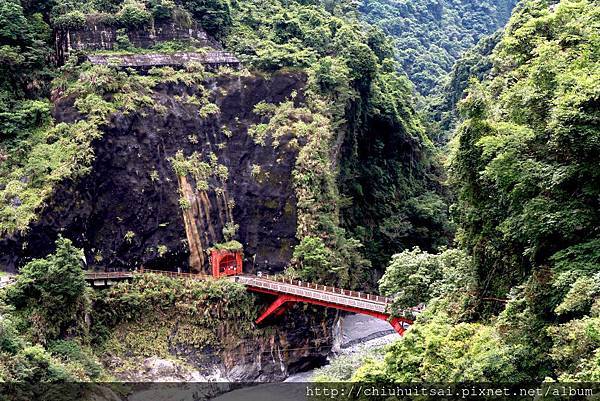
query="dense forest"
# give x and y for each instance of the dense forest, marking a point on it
(442, 152)
(355, 105)
(518, 300)
(431, 35)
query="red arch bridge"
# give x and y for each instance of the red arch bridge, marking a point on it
(287, 293)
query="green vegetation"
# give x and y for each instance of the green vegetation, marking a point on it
(525, 165)
(126, 313)
(430, 35)
(50, 294)
(518, 300)
(353, 86)
(530, 138)
(213, 15)
(476, 63)
(231, 245)
(440, 350)
(46, 305)
(415, 277)
(55, 328)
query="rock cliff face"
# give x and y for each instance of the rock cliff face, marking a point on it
(127, 211)
(300, 341)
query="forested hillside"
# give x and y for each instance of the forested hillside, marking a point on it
(430, 35)
(519, 300)
(150, 134)
(442, 105)
(369, 117)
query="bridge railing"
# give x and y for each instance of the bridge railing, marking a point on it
(385, 302)
(191, 276)
(328, 289)
(129, 274)
(107, 275)
(285, 287)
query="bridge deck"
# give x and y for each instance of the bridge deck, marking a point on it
(322, 293)
(278, 285)
(273, 283)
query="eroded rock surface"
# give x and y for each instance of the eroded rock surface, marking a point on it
(126, 212)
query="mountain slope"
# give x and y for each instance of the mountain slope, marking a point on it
(519, 301)
(430, 35)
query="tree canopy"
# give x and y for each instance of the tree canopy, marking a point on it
(430, 35)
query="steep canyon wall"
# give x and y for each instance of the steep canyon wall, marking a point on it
(128, 210)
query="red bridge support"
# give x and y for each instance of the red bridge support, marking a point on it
(283, 301)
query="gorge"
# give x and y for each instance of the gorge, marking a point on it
(428, 152)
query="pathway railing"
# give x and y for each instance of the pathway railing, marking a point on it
(282, 285)
(190, 276)
(107, 275)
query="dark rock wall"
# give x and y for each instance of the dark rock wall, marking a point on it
(300, 341)
(133, 188)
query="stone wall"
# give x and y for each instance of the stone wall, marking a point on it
(100, 35)
(211, 58)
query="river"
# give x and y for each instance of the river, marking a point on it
(356, 334)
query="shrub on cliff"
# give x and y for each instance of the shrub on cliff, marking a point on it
(204, 312)
(70, 21)
(161, 9)
(26, 366)
(134, 14)
(51, 293)
(214, 15)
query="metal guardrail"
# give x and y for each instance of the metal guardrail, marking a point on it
(327, 288)
(122, 275)
(307, 292)
(107, 275)
(190, 276)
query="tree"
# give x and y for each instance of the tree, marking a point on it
(51, 292)
(525, 161)
(214, 15)
(313, 258)
(415, 277)
(439, 350)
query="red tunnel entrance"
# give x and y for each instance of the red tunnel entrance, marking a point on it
(225, 263)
